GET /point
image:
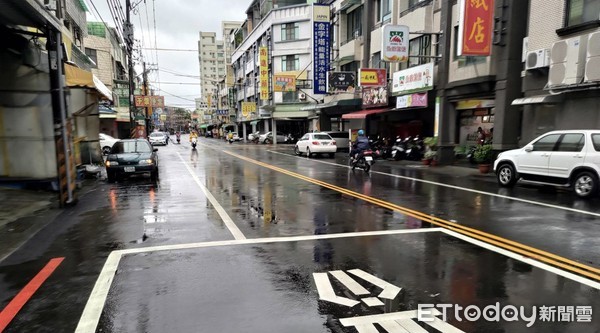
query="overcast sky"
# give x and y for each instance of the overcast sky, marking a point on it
(178, 23)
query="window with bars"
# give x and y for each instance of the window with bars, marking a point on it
(290, 31)
(420, 46)
(290, 63)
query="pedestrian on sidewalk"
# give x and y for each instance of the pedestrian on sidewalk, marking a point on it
(480, 136)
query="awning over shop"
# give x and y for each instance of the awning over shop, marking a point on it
(342, 102)
(203, 126)
(106, 113)
(362, 114)
(77, 77)
(538, 99)
(254, 122)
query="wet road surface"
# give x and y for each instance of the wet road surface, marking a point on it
(270, 287)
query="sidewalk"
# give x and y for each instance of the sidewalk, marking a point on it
(23, 213)
(456, 170)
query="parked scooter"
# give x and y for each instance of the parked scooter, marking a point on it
(364, 161)
(415, 149)
(289, 139)
(254, 137)
(194, 143)
(398, 149)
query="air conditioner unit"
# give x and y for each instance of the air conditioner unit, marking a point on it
(592, 63)
(537, 59)
(301, 96)
(567, 61)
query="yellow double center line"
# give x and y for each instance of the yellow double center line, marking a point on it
(527, 251)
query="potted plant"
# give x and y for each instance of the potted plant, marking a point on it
(484, 156)
(429, 157)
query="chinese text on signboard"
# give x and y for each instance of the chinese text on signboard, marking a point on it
(284, 83)
(321, 47)
(149, 101)
(248, 108)
(419, 78)
(264, 73)
(394, 41)
(341, 82)
(372, 77)
(374, 96)
(476, 27)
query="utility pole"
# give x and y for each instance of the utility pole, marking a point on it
(128, 33)
(145, 76)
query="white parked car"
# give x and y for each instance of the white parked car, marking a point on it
(268, 137)
(158, 138)
(106, 143)
(560, 158)
(315, 143)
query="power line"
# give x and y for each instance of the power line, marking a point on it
(101, 19)
(166, 49)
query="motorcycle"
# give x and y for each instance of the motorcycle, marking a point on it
(364, 161)
(178, 138)
(254, 137)
(398, 149)
(415, 149)
(194, 143)
(289, 139)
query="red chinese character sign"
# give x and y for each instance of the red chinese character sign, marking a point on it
(394, 41)
(476, 27)
(264, 72)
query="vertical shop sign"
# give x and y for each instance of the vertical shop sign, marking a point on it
(476, 27)
(394, 42)
(264, 72)
(321, 47)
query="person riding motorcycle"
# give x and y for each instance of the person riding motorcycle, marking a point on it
(193, 135)
(361, 144)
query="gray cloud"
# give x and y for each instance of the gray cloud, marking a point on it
(178, 23)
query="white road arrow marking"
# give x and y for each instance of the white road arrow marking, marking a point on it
(367, 328)
(390, 291)
(326, 292)
(411, 326)
(392, 326)
(350, 283)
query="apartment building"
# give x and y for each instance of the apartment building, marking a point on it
(211, 54)
(105, 48)
(561, 67)
(283, 30)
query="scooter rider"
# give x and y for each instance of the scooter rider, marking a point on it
(361, 144)
(178, 135)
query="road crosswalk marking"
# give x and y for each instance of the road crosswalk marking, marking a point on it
(399, 322)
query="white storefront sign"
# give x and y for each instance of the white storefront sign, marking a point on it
(414, 79)
(394, 42)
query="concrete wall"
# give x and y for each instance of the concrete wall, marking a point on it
(545, 16)
(104, 70)
(26, 124)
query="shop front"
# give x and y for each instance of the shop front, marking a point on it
(295, 119)
(414, 112)
(472, 115)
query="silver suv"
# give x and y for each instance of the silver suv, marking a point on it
(560, 158)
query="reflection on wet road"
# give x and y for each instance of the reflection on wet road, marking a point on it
(231, 237)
